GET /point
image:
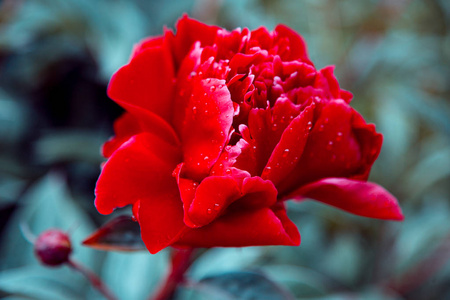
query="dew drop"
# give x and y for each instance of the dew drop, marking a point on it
(206, 158)
(321, 127)
(309, 125)
(285, 152)
(329, 145)
(216, 206)
(212, 88)
(339, 136)
(209, 211)
(228, 171)
(208, 80)
(194, 110)
(193, 74)
(220, 86)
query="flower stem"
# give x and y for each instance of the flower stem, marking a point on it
(93, 278)
(180, 262)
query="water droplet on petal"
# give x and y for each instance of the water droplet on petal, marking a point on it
(216, 206)
(206, 158)
(209, 211)
(212, 88)
(329, 145)
(285, 152)
(339, 136)
(321, 127)
(194, 110)
(228, 171)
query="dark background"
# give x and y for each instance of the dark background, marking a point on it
(56, 57)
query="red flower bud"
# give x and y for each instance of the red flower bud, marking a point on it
(52, 247)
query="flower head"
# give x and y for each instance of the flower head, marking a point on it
(222, 127)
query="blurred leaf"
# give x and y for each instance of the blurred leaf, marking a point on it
(69, 145)
(132, 276)
(303, 282)
(243, 286)
(119, 234)
(224, 259)
(36, 282)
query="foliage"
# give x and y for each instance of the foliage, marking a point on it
(55, 61)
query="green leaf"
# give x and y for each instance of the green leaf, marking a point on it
(244, 286)
(119, 234)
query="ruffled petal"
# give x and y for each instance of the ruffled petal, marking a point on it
(190, 31)
(297, 45)
(259, 227)
(212, 197)
(290, 147)
(361, 198)
(140, 168)
(334, 149)
(162, 219)
(124, 127)
(207, 122)
(147, 82)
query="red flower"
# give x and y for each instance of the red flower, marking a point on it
(221, 127)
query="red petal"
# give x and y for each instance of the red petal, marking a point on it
(124, 127)
(334, 148)
(146, 82)
(290, 147)
(265, 128)
(151, 122)
(161, 219)
(213, 196)
(149, 42)
(141, 167)
(207, 123)
(256, 193)
(245, 228)
(297, 45)
(190, 31)
(357, 197)
(370, 142)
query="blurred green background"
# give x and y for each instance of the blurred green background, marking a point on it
(56, 57)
